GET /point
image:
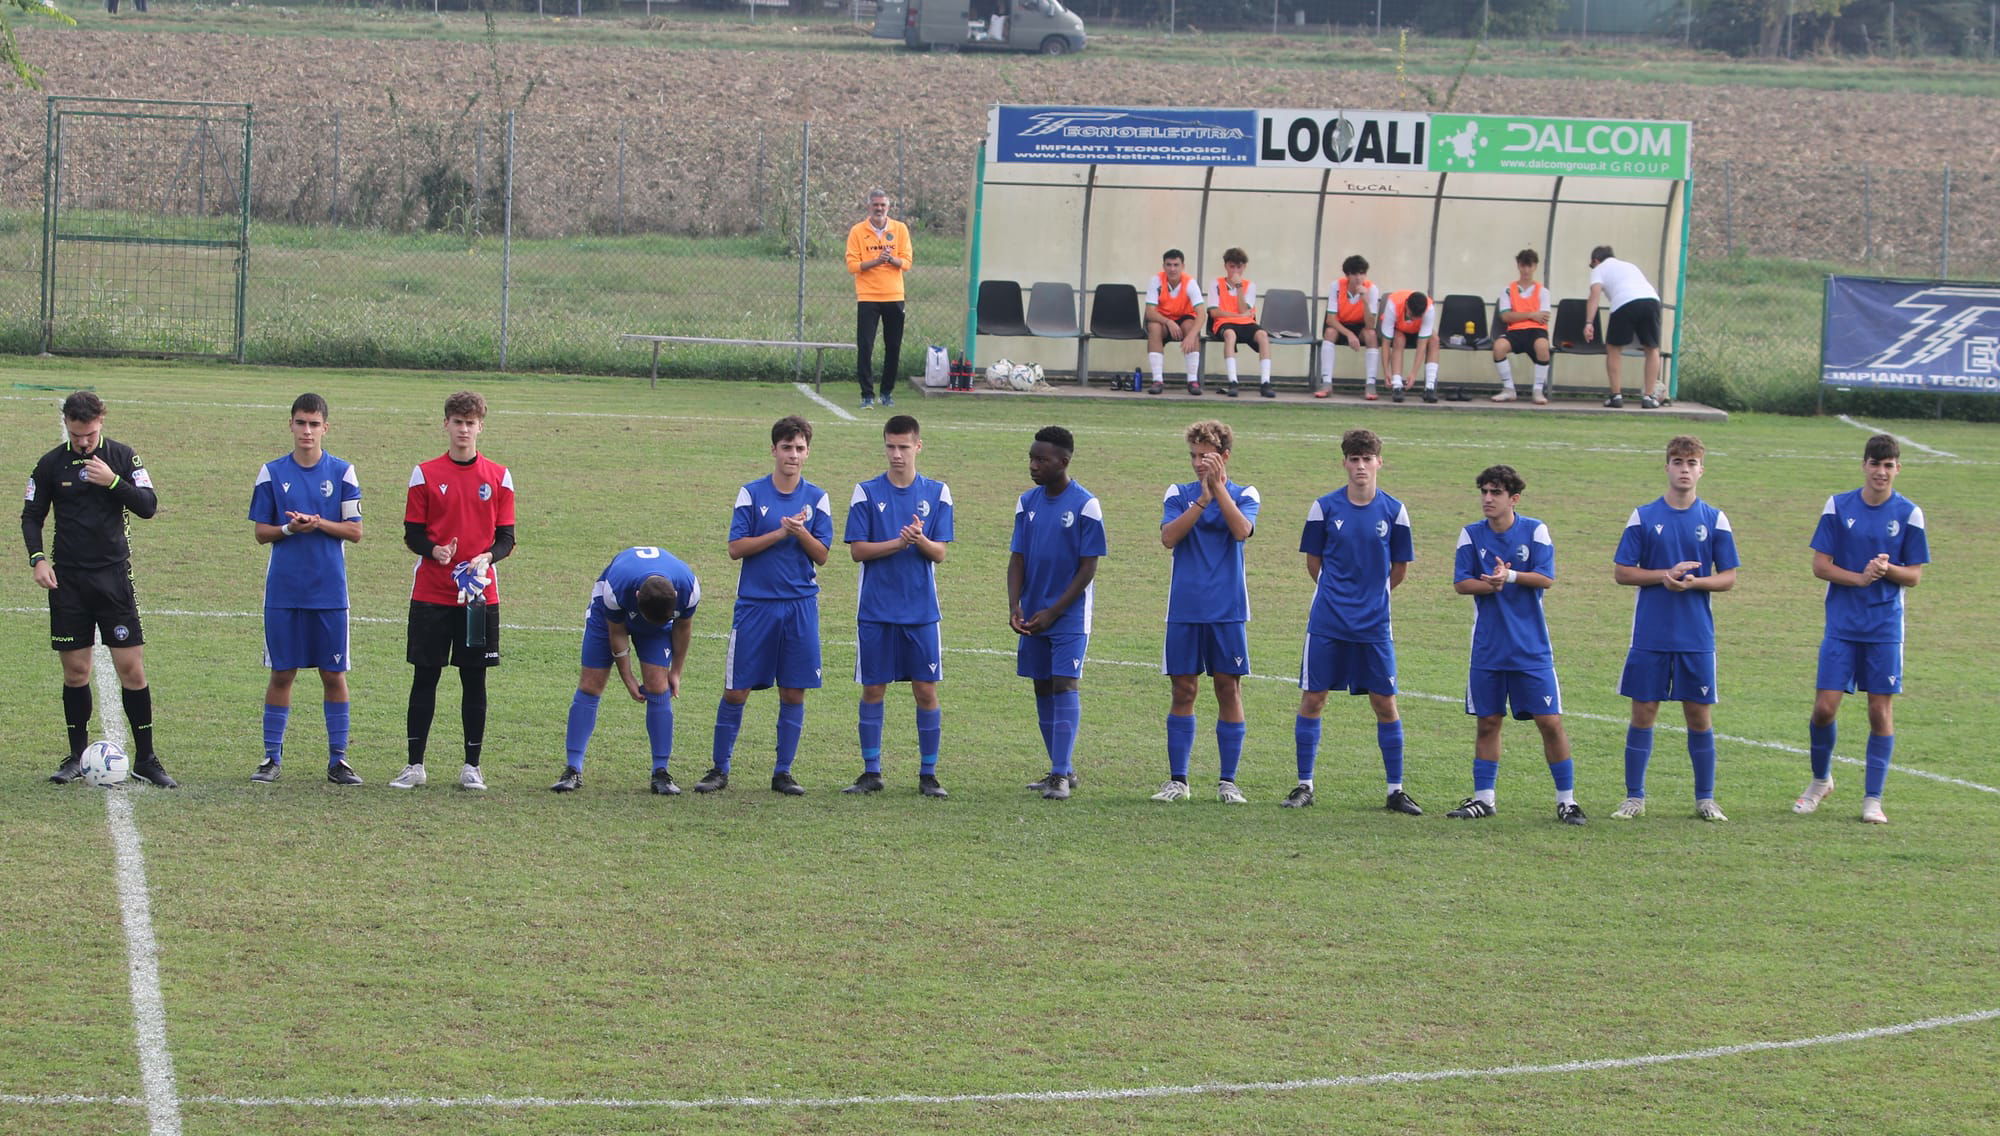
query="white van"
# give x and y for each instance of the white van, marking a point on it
(1043, 26)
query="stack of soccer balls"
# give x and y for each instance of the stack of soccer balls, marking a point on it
(104, 764)
(1005, 374)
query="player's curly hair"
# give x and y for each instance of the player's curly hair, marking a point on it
(1360, 443)
(83, 406)
(1210, 432)
(465, 404)
(1685, 446)
(1503, 476)
(1354, 264)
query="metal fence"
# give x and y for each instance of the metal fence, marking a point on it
(529, 241)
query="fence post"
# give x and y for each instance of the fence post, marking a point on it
(757, 183)
(333, 198)
(621, 177)
(899, 171)
(478, 210)
(506, 239)
(805, 174)
(1728, 208)
(1867, 216)
(1944, 231)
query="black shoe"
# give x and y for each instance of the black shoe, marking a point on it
(663, 784)
(1648, 402)
(570, 781)
(1058, 789)
(1396, 394)
(866, 783)
(1457, 394)
(714, 781)
(784, 783)
(1401, 802)
(1230, 390)
(1430, 394)
(1156, 388)
(927, 784)
(1570, 813)
(68, 771)
(1615, 401)
(1075, 779)
(340, 773)
(1472, 808)
(150, 769)
(1194, 386)
(266, 773)
(1300, 797)
(1264, 391)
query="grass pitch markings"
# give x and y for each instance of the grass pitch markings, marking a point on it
(1910, 442)
(142, 950)
(828, 403)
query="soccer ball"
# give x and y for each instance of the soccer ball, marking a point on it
(1026, 376)
(104, 764)
(1000, 376)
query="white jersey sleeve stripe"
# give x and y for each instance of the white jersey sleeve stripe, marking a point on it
(860, 495)
(416, 476)
(1542, 536)
(1916, 520)
(743, 497)
(1093, 510)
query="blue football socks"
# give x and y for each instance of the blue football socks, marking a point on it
(1305, 736)
(336, 731)
(1180, 744)
(1823, 738)
(1564, 772)
(1638, 751)
(1045, 716)
(930, 735)
(1485, 774)
(1069, 717)
(791, 723)
(1701, 754)
(660, 727)
(582, 721)
(1881, 749)
(275, 718)
(1229, 745)
(870, 726)
(1389, 736)
(728, 720)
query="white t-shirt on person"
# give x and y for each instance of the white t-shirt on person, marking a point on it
(1622, 282)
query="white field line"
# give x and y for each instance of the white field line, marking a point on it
(837, 409)
(1142, 1092)
(142, 951)
(1910, 442)
(994, 652)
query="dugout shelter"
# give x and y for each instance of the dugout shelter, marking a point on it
(1091, 196)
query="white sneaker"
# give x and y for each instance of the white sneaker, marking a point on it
(1707, 809)
(1633, 807)
(1541, 399)
(1229, 794)
(1871, 811)
(1171, 790)
(1815, 793)
(1506, 395)
(469, 778)
(411, 777)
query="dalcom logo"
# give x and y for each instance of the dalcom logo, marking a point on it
(1567, 146)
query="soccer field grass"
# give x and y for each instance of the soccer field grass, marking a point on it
(365, 960)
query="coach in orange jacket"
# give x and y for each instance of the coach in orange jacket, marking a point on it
(878, 253)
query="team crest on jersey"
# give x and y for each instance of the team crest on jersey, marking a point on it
(1068, 518)
(121, 633)
(1700, 533)
(1895, 527)
(326, 488)
(1521, 553)
(924, 510)
(485, 492)
(1381, 528)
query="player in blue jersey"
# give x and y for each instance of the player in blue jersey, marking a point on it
(1358, 548)
(306, 506)
(898, 527)
(780, 530)
(1676, 550)
(642, 604)
(1870, 545)
(1052, 559)
(1205, 523)
(1505, 562)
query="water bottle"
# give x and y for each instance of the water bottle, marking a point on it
(1137, 381)
(475, 623)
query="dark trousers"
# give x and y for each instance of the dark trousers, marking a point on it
(867, 313)
(112, 5)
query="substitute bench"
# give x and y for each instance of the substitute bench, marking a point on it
(819, 349)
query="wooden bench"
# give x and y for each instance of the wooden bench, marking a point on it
(819, 349)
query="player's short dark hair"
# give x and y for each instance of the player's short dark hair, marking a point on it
(310, 403)
(1528, 257)
(83, 406)
(1600, 254)
(1235, 256)
(1058, 437)
(1174, 254)
(657, 599)
(1881, 448)
(1416, 305)
(1503, 476)
(901, 424)
(1685, 446)
(1354, 264)
(465, 404)
(789, 427)
(1360, 443)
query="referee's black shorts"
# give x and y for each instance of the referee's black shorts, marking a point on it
(91, 602)
(437, 637)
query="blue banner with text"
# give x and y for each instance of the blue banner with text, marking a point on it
(1919, 335)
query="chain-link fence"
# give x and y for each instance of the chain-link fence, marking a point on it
(530, 241)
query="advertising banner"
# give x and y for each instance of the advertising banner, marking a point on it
(1157, 136)
(1918, 335)
(1567, 147)
(1342, 139)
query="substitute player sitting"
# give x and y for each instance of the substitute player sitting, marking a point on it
(1205, 522)
(1506, 562)
(1411, 321)
(1233, 320)
(1525, 318)
(1353, 305)
(1870, 547)
(642, 604)
(306, 506)
(1173, 314)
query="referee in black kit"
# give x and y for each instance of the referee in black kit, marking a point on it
(92, 482)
